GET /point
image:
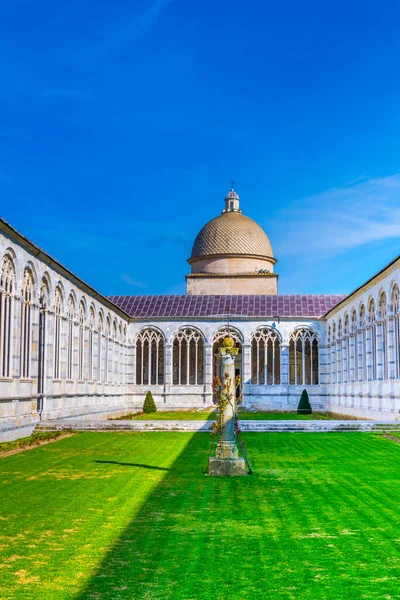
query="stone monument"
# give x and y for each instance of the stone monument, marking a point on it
(227, 461)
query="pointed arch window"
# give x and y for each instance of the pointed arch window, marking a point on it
(346, 350)
(188, 358)
(120, 354)
(91, 344)
(57, 331)
(265, 357)
(26, 326)
(114, 350)
(372, 337)
(383, 335)
(216, 343)
(356, 348)
(7, 278)
(149, 357)
(43, 302)
(70, 337)
(339, 343)
(81, 342)
(303, 357)
(107, 349)
(363, 353)
(395, 302)
(333, 354)
(100, 376)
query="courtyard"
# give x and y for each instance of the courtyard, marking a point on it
(131, 515)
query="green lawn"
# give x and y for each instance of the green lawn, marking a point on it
(130, 515)
(210, 416)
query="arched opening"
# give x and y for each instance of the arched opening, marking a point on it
(7, 278)
(57, 331)
(216, 357)
(188, 358)
(26, 325)
(265, 357)
(149, 357)
(303, 357)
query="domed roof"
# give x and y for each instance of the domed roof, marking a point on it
(231, 233)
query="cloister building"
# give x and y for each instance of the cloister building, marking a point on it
(67, 351)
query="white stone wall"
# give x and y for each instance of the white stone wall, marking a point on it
(359, 370)
(21, 405)
(363, 354)
(271, 397)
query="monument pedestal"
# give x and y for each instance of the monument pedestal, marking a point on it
(226, 466)
(227, 461)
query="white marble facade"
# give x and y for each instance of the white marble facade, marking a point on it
(65, 350)
(363, 349)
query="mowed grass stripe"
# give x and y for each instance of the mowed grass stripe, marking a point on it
(63, 509)
(319, 519)
(184, 415)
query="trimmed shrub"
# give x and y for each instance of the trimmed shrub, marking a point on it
(149, 406)
(304, 407)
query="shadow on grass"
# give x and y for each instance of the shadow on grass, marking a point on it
(154, 558)
(124, 464)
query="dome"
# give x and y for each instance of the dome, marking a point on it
(231, 233)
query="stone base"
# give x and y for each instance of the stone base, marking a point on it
(226, 466)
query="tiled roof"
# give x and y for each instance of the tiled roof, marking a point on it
(231, 233)
(291, 305)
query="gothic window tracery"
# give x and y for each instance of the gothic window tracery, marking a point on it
(333, 354)
(372, 338)
(188, 357)
(339, 352)
(150, 357)
(216, 344)
(26, 325)
(303, 357)
(355, 338)
(265, 357)
(395, 302)
(363, 354)
(7, 278)
(57, 331)
(346, 350)
(91, 344)
(81, 341)
(107, 349)
(70, 336)
(383, 334)
(114, 352)
(100, 376)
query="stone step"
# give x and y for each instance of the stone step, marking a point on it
(252, 426)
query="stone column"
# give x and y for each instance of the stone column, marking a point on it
(227, 461)
(208, 374)
(227, 446)
(391, 353)
(284, 364)
(246, 364)
(167, 371)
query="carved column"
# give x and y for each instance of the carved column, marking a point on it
(208, 374)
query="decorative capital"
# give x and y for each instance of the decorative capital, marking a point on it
(228, 351)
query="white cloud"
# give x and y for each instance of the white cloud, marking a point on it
(128, 279)
(341, 219)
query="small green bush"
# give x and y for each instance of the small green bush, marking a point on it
(149, 406)
(304, 407)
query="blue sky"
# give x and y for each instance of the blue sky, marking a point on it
(122, 124)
